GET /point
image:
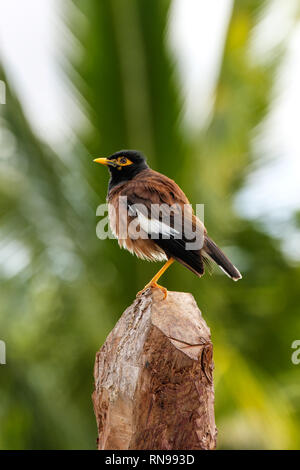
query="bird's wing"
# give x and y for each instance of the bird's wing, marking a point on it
(165, 215)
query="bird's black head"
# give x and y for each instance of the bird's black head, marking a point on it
(123, 165)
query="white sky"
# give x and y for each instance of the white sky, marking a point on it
(31, 32)
(197, 33)
(28, 40)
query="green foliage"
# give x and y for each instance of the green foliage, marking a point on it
(63, 289)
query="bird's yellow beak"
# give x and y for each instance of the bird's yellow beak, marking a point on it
(103, 161)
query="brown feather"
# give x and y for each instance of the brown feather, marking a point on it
(147, 188)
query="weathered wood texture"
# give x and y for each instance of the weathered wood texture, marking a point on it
(153, 377)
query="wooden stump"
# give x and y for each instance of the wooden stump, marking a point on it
(153, 377)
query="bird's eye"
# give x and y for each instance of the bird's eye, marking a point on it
(123, 160)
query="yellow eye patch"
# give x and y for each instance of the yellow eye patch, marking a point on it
(124, 161)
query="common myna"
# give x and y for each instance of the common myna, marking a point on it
(152, 218)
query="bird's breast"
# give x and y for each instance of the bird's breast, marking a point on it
(126, 228)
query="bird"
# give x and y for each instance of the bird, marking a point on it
(152, 218)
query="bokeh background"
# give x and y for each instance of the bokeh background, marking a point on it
(210, 93)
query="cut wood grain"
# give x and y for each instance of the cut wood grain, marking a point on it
(154, 377)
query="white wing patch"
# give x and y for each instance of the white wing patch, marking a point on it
(155, 227)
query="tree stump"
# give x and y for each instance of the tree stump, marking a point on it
(153, 377)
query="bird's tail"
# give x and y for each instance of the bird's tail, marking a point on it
(214, 252)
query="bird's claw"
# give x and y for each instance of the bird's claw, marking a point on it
(154, 285)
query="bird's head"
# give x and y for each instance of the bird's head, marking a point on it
(123, 165)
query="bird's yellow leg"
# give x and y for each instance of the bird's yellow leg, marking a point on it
(153, 283)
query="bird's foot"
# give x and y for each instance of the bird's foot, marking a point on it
(154, 285)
